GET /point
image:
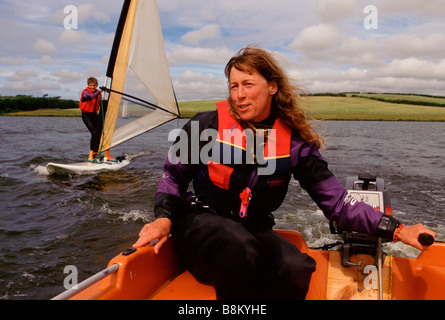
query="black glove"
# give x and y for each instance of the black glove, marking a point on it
(387, 226)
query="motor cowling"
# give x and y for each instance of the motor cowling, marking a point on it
(371, 190)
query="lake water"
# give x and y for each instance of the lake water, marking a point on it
(49, 222)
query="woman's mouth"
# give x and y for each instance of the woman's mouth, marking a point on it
(243, 107)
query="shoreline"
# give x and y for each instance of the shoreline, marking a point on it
(320, 118)
(334, 108)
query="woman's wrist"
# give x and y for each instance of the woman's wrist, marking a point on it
(395, 236)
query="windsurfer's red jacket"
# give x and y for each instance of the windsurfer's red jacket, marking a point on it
(218, 184)
(89, 101)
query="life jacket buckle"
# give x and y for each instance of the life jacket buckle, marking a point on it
(245, 197)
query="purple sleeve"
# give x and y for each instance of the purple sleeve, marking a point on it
(86, 94)
(328, 193)
(332, 199)
(175, 179)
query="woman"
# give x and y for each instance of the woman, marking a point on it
(223, 231)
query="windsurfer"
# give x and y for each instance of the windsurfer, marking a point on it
(90, 102)
(239, 253)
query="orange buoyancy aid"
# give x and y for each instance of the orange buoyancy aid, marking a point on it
(230, 132)
(228, 174)
(89, 106)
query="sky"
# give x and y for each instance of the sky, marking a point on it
(324, 45)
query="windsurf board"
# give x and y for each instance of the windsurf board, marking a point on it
(85, 167)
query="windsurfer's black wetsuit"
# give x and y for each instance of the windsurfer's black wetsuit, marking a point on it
(90, 104)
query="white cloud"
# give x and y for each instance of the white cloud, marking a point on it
(89, 12)
(21, 75)
(66, 76)
(44, 46)
(71, 36)
(401, 75)
(324, 38)
(415, 68)
(194, 85)
(210, 31)
(422, 9)
(14, 61)
(365, 53)
(316, 39)
(405, 45)
(32, 87)
(185, 55)
(86, 13)
(45, 60)
(336, 10)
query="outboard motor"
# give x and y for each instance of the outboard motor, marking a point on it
(371, 190)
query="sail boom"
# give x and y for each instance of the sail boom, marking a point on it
(148, 104)
(139, 126)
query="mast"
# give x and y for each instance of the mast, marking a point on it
(117, 69)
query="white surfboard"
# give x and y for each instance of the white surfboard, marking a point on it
(84, 167)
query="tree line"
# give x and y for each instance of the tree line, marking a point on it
(406, 101)
(29, 103)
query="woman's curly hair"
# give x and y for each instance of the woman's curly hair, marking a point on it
(285, 102)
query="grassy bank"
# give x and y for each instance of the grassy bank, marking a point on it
(357, 108)
(350, 107)
(47, 113)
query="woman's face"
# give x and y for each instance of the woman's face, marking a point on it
(251, 94)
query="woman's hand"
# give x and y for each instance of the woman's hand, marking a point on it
(159, 229)
(409, 235)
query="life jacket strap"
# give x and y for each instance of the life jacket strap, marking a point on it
(245, 197)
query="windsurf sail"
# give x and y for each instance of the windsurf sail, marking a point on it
(139, 74)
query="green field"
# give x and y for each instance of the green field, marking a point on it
(352, 108)
(356, 108)
(361, 107)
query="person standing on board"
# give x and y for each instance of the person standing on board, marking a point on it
(223, 232)
(89, 104)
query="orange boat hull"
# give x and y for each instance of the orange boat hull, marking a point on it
(144, 275)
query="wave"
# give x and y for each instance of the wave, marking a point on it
(132, 215)
(40, 170)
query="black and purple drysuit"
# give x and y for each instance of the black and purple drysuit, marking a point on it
(241, 256)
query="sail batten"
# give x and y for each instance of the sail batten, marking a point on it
(141, 50)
